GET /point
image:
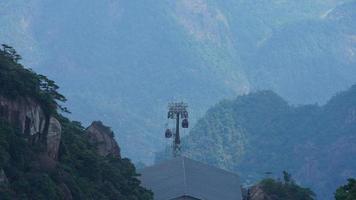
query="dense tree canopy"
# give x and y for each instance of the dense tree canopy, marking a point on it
(79, 169)
(286, 189)
(346, 192)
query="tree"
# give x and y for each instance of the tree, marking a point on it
(347, 192)
(11, 53)
(286, 189)
(287, 177)
(16, 81)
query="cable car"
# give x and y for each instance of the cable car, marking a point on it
(168, 133)
(185, 123)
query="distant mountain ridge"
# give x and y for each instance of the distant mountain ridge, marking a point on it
(310, 60)
(123, 61)
(261, 132)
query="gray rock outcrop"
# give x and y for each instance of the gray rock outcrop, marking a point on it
(53, 137)
(256, 193)
(29, 117)
(3, 179)
(24, 113)
(103, 138)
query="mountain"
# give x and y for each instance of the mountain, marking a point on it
(260, 132)
(43, 155)
(309, 60)
(123, 61)
(130, 65)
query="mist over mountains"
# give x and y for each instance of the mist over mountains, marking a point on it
(123, 61)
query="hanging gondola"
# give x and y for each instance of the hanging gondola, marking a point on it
(168, 133)
(185, 123)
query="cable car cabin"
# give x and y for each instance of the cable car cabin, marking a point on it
(185, 123)
(168, 133)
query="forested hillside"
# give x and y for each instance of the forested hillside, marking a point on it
(43, 155)
(261, 132)
(122, 61)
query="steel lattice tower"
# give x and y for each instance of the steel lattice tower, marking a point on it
(177, 111)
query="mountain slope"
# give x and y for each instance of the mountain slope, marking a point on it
(128, 66)
(260, 133)
(309, 60)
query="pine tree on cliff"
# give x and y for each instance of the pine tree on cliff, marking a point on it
(15, 80)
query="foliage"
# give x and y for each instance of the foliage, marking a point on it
(286, 189)
(346, 192)
(96, 177)
(79, 170)
(19, 161)
(15, 81)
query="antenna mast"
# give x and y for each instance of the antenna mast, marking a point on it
(177, 111)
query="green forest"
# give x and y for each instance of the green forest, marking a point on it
(346, 192)
(285, 189)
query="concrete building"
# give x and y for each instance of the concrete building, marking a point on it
(186, 179)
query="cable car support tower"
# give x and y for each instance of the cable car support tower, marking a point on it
(177, 111)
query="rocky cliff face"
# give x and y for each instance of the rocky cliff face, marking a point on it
(53, 137)
(3, 178)
(29, 117)
(103, 138)
(24, 113)
(257, 193)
